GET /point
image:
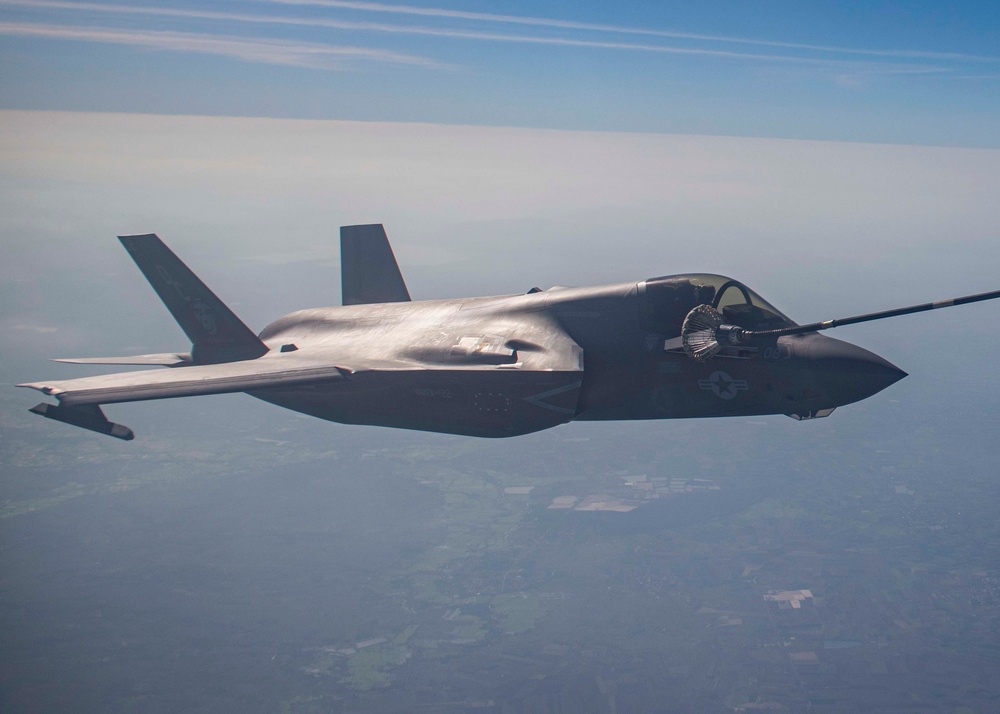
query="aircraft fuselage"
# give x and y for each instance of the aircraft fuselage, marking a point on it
(502, 366)
(676, 346)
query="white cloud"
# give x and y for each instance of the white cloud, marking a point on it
(35, 328)
(607, 43)
(619, 29)
(822, 229)
(266, 51)
(591, 205)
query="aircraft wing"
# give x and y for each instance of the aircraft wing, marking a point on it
(166, 359)
(281, 370)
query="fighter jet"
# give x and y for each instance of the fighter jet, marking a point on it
(679, 346)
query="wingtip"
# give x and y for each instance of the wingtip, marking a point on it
(40, 387)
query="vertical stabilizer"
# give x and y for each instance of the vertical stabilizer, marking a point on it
(216, 334)
(368, 269)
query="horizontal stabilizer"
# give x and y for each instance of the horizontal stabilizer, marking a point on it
(216, 334)
(166, 359)
(283, 370)
(89, 417)
(368, 269)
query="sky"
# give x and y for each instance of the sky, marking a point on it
(837, 159)
(915, 72)
(821, 229)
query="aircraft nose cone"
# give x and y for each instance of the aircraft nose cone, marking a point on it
(847, 372)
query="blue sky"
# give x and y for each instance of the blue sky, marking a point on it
(911, 73)
(519, 196)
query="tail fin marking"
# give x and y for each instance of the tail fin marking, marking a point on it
(216, 334)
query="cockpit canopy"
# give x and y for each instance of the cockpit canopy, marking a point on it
(668, 299)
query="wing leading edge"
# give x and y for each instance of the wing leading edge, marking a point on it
(165, 359)
(278, 371)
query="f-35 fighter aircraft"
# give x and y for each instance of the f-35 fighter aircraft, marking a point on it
(664, 348)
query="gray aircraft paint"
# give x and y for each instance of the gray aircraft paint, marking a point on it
(490, 366)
